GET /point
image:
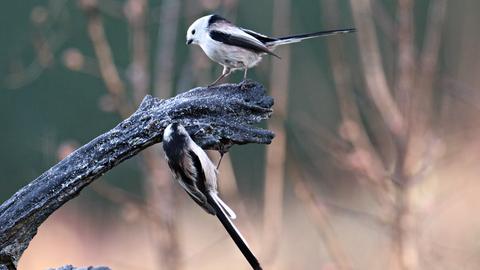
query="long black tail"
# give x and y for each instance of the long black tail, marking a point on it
(234, 233)
(298, 38)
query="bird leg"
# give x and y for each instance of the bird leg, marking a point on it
(221, 157)
(244, 78)
(225, 73)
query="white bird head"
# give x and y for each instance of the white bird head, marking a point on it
(198, 30)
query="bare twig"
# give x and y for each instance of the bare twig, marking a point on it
(422, 100)
(431, 47)
(136, 12)
(406, 63)
(125, 199)
(108, 70)
(47, 40)
(352, 128)
(374, 74)
(166, 39)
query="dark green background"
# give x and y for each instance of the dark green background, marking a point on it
(61, 105)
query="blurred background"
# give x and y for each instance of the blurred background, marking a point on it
(375, 162)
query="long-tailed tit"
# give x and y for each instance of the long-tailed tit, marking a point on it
(238, 48)
(198, 176)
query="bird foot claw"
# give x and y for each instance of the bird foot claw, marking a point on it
(244, 84)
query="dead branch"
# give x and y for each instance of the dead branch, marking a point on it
(70, 267)
(216, 118)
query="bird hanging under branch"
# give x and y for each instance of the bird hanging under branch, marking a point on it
(197, 175)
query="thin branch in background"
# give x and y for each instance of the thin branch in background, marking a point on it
(320, 217)
(128, 201)
(422, 101)
(21, 75)
(355, 214)
(159, 187)
(103, 52)
(310, 171)
(342, 160)
(75, 60)
(352, 129)
(405, 59)
(165, 52)
(276, 153)
(136, 12)
(325, 140)
(384, 21)
(43, 50)
(431, 47)
(46, 42)
(374, 74)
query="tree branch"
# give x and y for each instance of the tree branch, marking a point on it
(216, 118)
(69, 267)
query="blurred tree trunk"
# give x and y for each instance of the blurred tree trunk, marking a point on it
(407, 113)
(275, 163)
(159, 186)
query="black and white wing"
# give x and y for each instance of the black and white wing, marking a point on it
(191, 178)
(225, 32)
(261, 37)
(208, 176)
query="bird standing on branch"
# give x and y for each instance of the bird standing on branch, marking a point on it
(198, 176)
(238, 48)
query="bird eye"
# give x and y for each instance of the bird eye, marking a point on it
(193, 32)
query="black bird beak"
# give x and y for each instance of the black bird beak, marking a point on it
(189, 41)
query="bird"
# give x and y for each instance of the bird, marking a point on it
(237, 48)
(197, 175)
